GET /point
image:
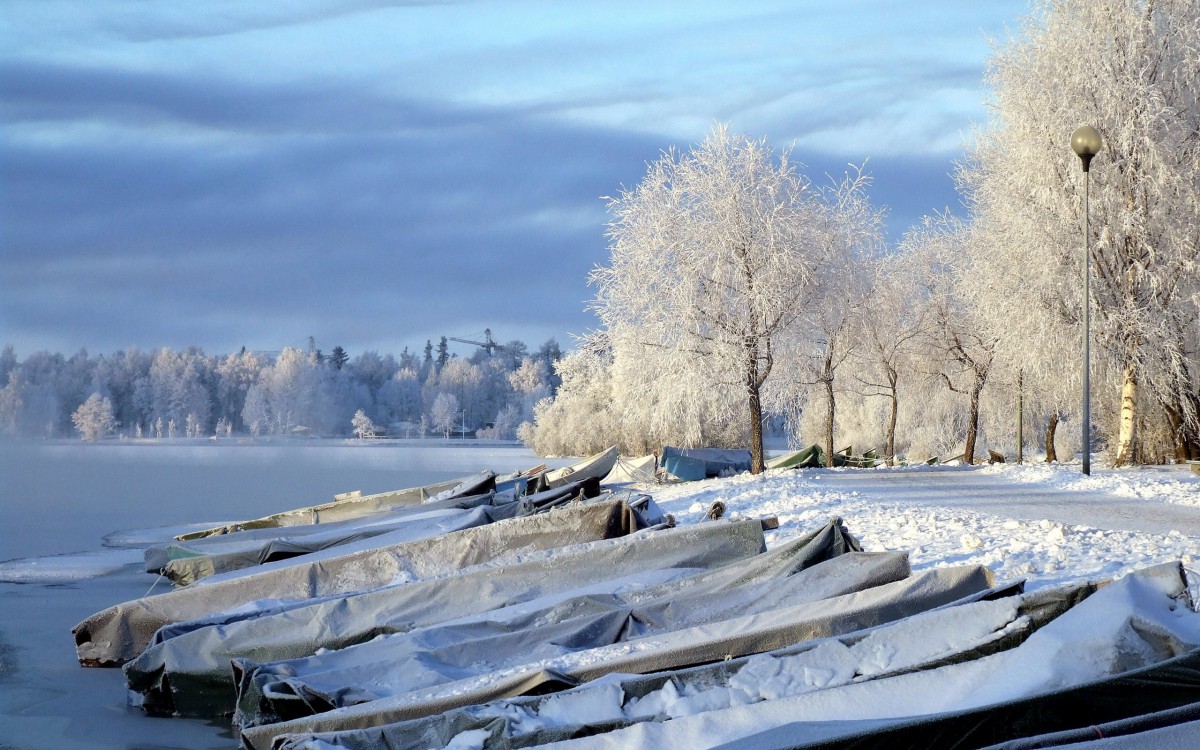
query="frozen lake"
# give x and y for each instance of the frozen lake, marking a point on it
(61, 498)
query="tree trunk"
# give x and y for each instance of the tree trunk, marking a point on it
(1184, 435)
(973, 423)
(830, 410)
(1051, 454)
(1127, 433)
(757, 462)
(753, 387)
(891, 430)
(830, 404)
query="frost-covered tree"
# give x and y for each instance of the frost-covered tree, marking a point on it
(8, 362)
(1131, 69)
(337, 358)
(582, 418)
(363, 426)
(466, 382)
(714, 261)
(400, 397)
(94, 418)
(959, 348)
(177, 386)
(256, 412)
(889, 332)
(236, 373)
(117, 376)
(851, 234)
(530, 384)
(504, 427)
(10, 407)
(293, 386)
(444, 412)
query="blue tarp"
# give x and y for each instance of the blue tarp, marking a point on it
(714, 461)
(685, 469)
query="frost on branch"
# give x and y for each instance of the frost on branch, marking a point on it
(718, 257)
(1131, 69)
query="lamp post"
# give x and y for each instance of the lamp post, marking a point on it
(1086, 143)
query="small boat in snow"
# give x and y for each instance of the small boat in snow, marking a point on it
(598, 466)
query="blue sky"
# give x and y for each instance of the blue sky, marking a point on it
(375, 174)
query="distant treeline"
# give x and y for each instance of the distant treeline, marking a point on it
(189, 393)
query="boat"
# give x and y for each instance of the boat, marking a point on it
(355, 506)
(691, 464)
(805, 458)
(596, 466)
(643, 470)
(117, 634)
(186, 670)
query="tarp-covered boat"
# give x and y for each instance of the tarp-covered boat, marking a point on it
(221, 554)
(671, 650)
(119, 633)
(356, 506)
(593, 467)
(641, 470)
(186, 670)
(981, 624)
(1044, 669)
(691, 464)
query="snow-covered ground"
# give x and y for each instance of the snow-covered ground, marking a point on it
(1048, 524)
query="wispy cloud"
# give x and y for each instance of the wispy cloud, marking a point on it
(377, 173)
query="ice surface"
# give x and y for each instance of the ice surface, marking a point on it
(67, 568)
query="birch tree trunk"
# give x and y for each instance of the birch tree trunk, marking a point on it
(1127, 432)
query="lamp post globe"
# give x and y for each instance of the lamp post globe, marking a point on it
(1086, 143)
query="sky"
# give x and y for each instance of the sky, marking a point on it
(374, 174)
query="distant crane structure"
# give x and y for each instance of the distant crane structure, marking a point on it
(488, 344)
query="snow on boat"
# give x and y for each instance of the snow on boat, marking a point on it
(356, 506)
(672, 649)
(814, 457)
(1131, 648)
(595, 466)
(193, 561)
(641, 470)
(993, 668)
(966, 629)
(517, 637)
(186, 670)
(118, 634)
